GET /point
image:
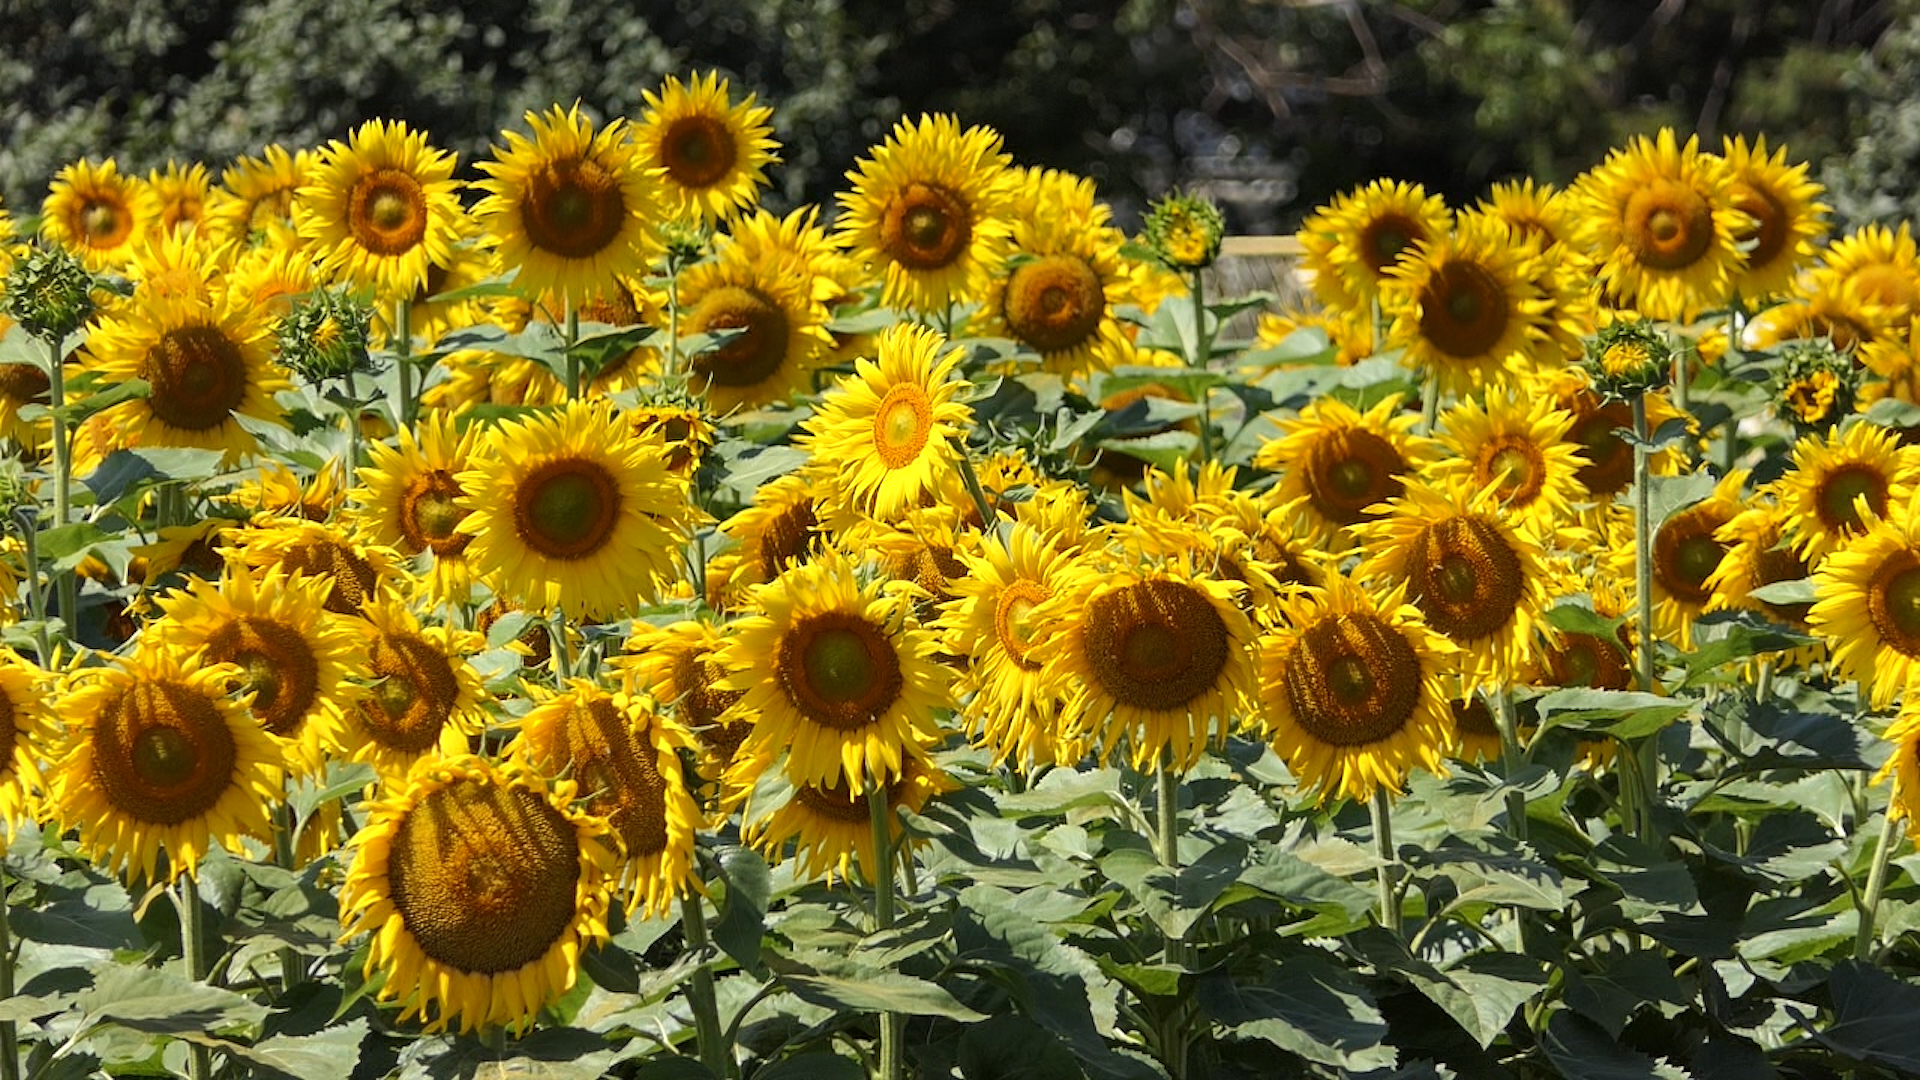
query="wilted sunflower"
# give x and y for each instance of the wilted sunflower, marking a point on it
(1784, 212)
(889, 427)
(1342, 462)
(411, 499)
(379, 208)
(836, 677)
(423, 699)
(1477, 574)
(98, 213)
(713, 154)
(625, 759)
(26, 736)
(1518, 446)
(1352, 243)
(1659, 221)
(929, 209)
(158, 758)
(480, 886)
(360, 573)
(573, 510)
(780, 337)
(206, 362)
(294, 657)
(1353, 690)
(830, 828)
(1839, 483)
(1867, 607)
(572, 208)
(257, 193)
(1464, 305)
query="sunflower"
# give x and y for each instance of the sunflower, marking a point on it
(1840, 312)
(295, 658)
(257, 193)
(191, 551)
(1464, 304)
(1903, 768)
(780, 337)
(1785, 215)
(1596, 427)
(1867, 606)
(890, 427)
(781, 528)
(572, 208)
(379, 208)
(158, 757)
(272, 276)
(1342, 462)
(21, 385)
(1757, 555)
(1880, 265)
(1475, 573)
(831, 827)
(1348, 334)
(929, 209)
(1530, 211)
(98, 213)
(573, 510)
(360, 573)
(1353, 690)
(26, 734)
(411, 501)
(712, 153)
(480, 886)
(1158, 657)
(1351, 244)
(1839, 483)
(678, 665)
(685, 430)
(1687, 549)
(181, 192)
(1005, 702)
(423, 698)
(625, 758)
(278, 491)
(1517, 445)
(836, 677)
(1659, 220)
(431, 315)
(206, 362)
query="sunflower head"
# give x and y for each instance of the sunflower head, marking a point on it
(712, 153)
(49, 293)
(1629, 357)
(1815, 385)
(1184, 230)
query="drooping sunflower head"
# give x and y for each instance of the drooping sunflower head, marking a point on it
(98, 213)
(831, 827)
(1464, 304)
(572, 509)
(379, 208)
(158, 760)
(712, 153)
(678, 665)
(1839, 483)
(1840, 312)
(1903, 768)
(26, 737)
(360, 573)
(1353, 688)
(929, 208)
(1784, 215)
(891, 425)
(1344, 463)
(1352, 244)
(480, 886)
(784, 526)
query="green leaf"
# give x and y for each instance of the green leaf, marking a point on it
(1669, 495)
(879, 991)
(743, 915)
(508, 628)
(1306, 347)
(1746, 634)
(123, 470)
(1582, 1051)
(1494, 879)
(1495, 986)
(1295, 881)
(81, 405)
(67, 546)
(1873, 1015)
(333, 1051)
(1168, 451)
(1061, 790)
(1173, 902)
(1620, 986)
(748, 467)
(1310, 1006)
(815, 1066)
(162, 1002)
(1576, 618)
(1005, 1048)
(668, 1067)
(1797, 591)
(1623, 714)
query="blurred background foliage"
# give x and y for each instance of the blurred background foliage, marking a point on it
(1272, 106)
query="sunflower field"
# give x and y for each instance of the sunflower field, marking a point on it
(575, 622)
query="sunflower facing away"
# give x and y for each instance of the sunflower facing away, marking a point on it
(1757, 555)
(572, 509)
(572, 208)
(379, 208)
(480, 886)
(158, 759)
(929, 210)
(712, 154)
(1867, 607)
(410, 501)
(889, 427)
(1903, 768)
(25, 737)
(835, 676)
(1881, 267)
(1353, 688)
(98, 213)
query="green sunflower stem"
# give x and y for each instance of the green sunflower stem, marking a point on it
(353, 432)
(562, 655)
(1512, 758)
(972, 480)
(1430, 400)
(193, 948)
(713, 1045)
(29, 521)
(285, 824)
(1389, 861)
(879, 815)
(9, 1034)
(66, 585)
(569, 349)
(403, 358)
(672, 367)
(1643, 771)
(1200, 360)
(1876, 882)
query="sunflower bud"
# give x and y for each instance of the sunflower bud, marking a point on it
(1184, 231)
(685, 243)
(1628, 358)
(49, 293)
(1815, 387)
(325, 337)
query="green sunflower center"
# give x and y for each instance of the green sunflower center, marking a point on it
(1893, 602)
(567, 508)
(839, 670)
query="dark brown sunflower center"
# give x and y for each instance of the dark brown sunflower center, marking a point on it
(839, 670)
(1589, 661)
(618, 776)
(22, 383)
(414, 693)
(697, 151)
(833, 802)
(354, 578)
(428, 514)
(902, 424)
(277, 664)
(1054, 303)
(1668, 225)
(197, 377)
(1013, 620)
(162, 753)
(1837, 498)
(573, 208)
(387, 212)
(1466, 578)
(1351, 680)
(1893, 602)
(1609, 467)
(567, 508)
(1779, 563)
(1350, 470)
(1463, 310)
(702, 700)
(9, 735)
(925, 227)
(1517, 463)
(484, 876)
(1155, 645)
(788, 539)
(1385, 237)
(750, 356)
(1767, 232)
(1685, 552)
